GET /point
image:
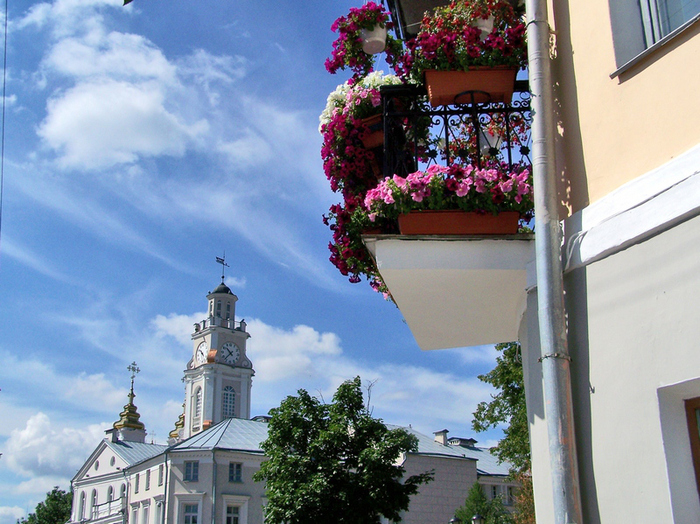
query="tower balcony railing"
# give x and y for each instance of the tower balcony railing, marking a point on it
(474, 131)
(213, 321)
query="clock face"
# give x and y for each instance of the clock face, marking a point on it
(230, 352)
(201, 353)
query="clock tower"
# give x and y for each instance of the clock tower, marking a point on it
(219, 377)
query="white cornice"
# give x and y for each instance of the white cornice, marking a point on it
(642, 208)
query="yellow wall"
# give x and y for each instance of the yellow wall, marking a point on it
(613, 130)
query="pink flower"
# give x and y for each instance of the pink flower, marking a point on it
(464, 187)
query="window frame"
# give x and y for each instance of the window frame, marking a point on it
(228, 402)
(233, 518)
(185, 514)
(648, 37)
(145, 512)
(81, 506)
(239, 501)
(191, 471)
(692, 413)
(235, 472)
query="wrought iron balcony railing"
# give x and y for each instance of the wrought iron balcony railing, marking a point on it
(417, 135)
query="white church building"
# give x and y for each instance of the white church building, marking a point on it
(205, 473)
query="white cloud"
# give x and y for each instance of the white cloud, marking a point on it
(82, 391)
(303, 358)
(208, 70)
(25, 256)
(42, 449)
(101, 124)
(10, 514)
(67, 17)
(113, 55)
(247, 150)
(236, 282)
(96, 386)
(179, 327)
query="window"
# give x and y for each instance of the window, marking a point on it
(228, 402)
(510, 496)
(110, 494)
(228, 310)
(494, 492)
(234, 510)
(81, 507)
(235, 472)
(144, 513)
(190, 513)
(197, 406)
(232, 515)
(218, 308)
(159, 512)
(160, 475)
(134, 515)
(639, 24)
(664, 16)
(136, 483)
(122, 491)
(148, 479)
(93, 503)
(192, 470)
(692, 412)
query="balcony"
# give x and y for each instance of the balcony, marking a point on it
(454, 291)
(417, 135)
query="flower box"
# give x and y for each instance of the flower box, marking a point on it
(375, 136)
(479, 85)
(457, 222)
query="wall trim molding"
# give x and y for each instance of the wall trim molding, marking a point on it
(646, 206)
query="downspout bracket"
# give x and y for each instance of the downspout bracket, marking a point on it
(555, 355)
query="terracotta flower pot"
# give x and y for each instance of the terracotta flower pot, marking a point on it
(479, 85)
(457, 222)
(375, 137)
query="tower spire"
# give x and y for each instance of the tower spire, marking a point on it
(222, 261)
(129, 427)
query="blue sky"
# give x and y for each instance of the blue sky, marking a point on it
(141, 143)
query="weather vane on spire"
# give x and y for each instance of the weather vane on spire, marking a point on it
(222, 261)
(134, 371)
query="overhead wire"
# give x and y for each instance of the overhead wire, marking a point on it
(2, 125)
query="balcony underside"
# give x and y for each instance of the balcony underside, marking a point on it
(456, 291)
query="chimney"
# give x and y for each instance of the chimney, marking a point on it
(441, 436)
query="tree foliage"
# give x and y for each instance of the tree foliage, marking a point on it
(507, 407)
(492, 511)
(334, 462)
(55, 509)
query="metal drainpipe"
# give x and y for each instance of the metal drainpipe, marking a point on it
(163, 513)
(556, 369)
(213, 486)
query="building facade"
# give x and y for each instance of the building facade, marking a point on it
(626, 157)
(205, 473)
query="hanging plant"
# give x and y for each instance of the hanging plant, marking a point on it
(467, 34)
(352, 51)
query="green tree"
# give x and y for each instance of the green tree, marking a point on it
(476, 503)
(55, 509)
(334, 462)
(507, 407)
